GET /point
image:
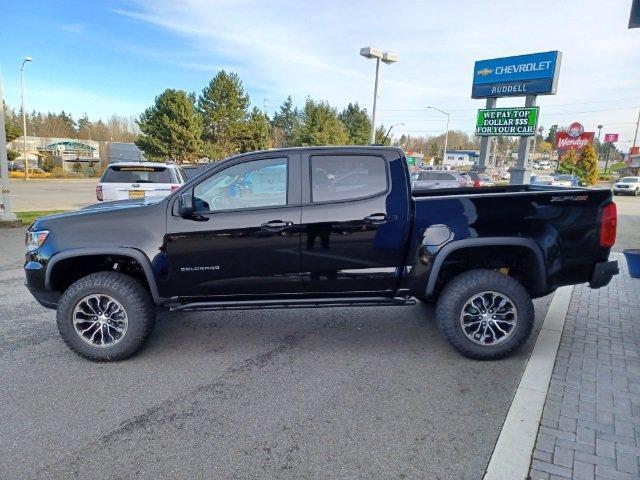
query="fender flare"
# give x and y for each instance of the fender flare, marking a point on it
(540, 280)
(137, 255)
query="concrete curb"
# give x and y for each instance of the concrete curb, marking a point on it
(511, 457)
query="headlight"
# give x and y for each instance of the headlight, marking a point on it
(35, 240)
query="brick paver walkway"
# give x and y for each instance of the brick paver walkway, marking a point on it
(590, 427)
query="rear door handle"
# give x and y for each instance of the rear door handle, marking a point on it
(376, 218)
(275, 225)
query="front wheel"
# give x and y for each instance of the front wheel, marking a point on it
(105, 316)
(484, 314)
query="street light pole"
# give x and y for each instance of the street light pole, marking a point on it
(375, 102)
(24, 118)
(446, 135)
(388, 58)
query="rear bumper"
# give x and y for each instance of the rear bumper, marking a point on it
(603, 273)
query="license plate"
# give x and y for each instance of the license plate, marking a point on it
(136, 193)
(623, 186)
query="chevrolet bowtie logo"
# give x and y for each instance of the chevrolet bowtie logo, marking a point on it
(484, 72)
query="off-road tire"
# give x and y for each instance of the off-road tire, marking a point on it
(129, 293)
(462, 288)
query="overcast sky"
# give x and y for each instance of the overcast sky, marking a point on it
(116, 56)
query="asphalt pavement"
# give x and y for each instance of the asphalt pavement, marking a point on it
(328, 393)
(52, 194)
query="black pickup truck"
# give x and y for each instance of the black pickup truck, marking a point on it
(319, 227)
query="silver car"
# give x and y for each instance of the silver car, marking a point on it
(429, 179)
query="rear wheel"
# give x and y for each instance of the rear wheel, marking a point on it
(484, 314)
(105, 316)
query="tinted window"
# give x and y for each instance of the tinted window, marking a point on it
(343, 177)
(259, 183)
(136, 174)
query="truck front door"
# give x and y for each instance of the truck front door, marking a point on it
(244, 238)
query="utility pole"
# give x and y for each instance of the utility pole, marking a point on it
(635, 137)
(6, 214)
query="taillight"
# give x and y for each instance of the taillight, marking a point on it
(99, 192)
(476, 183)
(608, 225)
(175, 187)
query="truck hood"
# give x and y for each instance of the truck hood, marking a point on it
(102, 209)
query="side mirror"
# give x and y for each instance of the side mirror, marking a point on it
(186, 207)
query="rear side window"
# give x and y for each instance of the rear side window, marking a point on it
(135, 174)
(346, 177)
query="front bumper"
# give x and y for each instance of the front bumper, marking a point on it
(34, 272)
(603, 273)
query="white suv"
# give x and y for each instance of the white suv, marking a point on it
(627, 185)
(125, 180)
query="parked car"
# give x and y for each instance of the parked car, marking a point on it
(542, 179)
(565, 180)
(16, 167)
(544, 164)
(323, 226)
(627, 186)
(127, 180)
(480, 179)
(426, 179)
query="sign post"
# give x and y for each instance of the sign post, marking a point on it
(518, 76)
(484, 142)
(609, 138)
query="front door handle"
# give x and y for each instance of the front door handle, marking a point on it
(275, 225)
(376, 218)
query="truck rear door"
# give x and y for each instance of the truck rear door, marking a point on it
(354, 220)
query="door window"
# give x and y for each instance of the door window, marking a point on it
(254, 184)
(346, 177)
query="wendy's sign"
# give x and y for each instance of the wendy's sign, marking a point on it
(573, 138)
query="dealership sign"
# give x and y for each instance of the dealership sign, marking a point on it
(517, 121)
(534, 74)
(574, 138)
(611, 137)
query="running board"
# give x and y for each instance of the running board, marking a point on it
(293, 303)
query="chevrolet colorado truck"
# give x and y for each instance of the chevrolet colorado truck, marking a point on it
(319, 227)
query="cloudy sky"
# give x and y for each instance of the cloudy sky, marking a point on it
(116, 56)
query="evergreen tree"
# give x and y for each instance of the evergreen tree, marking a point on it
(254, 134)
(171, 128)
(381, 136)
(357, 123)
(224, 106)
(320, 126)
(567, 164)
(587, 166)
(285, 122)
(11, 124)
(551, 135)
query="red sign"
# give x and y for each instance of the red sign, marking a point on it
(610, 137)
(575, 129)
(566, 141)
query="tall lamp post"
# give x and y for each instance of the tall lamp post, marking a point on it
(24, 118)
(446, 135)
(599, 145)
(386, 57)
